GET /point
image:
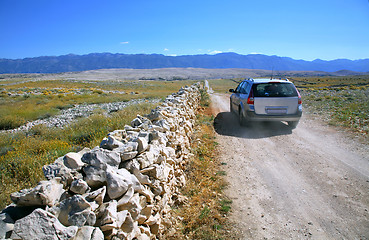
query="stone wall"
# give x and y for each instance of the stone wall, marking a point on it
(123, 189)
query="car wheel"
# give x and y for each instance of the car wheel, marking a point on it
(293, 124)
(242, 118)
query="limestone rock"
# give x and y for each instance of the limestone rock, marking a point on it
(6, 225)
(118, 182)
(89, 233)
(133, 206)
(127, 196)
(128, 155)
(73, 160)
(75, 211)
(155, 171)
(41, 224)
(79, 186)
(45, 193)
(98, 160)
(109, 218)
(58, 169)
(95, 176)
(142, 144)
(96, 197)
(110, 143)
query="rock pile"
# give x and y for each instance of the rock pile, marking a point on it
(123, 189)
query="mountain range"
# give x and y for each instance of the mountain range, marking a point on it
(72, 63)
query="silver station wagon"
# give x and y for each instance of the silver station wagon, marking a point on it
(266, 100)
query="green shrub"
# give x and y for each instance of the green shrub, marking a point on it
(11, 122)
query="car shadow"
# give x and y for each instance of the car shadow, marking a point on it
(226, 123)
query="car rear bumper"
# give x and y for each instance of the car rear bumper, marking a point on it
(252, 116)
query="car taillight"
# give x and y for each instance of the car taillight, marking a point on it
(250, 99)
(299, 97)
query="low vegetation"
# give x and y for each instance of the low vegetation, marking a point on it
(205, 215)
(341, 101)
(22, 101)
(23, 154)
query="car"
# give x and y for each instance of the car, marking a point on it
(266, 100)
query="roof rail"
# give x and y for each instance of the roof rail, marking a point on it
(251, 79)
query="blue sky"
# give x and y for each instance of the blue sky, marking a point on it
(300, 29)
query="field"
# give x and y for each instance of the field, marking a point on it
(22, 154)
(22, 101)
(341, 101)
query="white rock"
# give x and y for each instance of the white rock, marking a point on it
(6, 225)
(79, 186)
(73, 160)
(97, 195)
(128, 155)
(110, 143)
(127, 196)
(75, 211)
(133, 206)
(95, 176)
(89, 233)
(41, 224)
(59, 170)
(155, 171)
(118, 182)
(142, 144)
(45, 193)
(107, 217)
(98, 160)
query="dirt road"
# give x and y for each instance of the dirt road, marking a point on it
(309, 183)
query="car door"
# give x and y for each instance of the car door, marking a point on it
(243, 95)
(236, 96)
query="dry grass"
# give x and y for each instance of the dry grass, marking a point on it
(31, 100)
(205, 214)
(23, 154)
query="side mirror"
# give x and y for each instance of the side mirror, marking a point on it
(231, 90)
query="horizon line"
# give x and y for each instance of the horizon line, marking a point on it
(174, 55)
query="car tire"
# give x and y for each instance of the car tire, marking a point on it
(241, 118)
(293, 124)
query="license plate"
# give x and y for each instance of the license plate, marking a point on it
(276, 110)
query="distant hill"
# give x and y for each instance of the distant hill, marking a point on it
(72, 63)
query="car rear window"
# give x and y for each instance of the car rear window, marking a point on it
(274, 89)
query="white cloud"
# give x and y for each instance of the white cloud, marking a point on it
(124, 42)
(214, 52)
(166, 49)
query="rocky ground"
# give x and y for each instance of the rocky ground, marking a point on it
(164, 74)
(69, 115)
(309, 183)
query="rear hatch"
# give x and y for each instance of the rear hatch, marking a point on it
(275, 98)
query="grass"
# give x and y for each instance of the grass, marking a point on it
(23, 154)
(223, 85)
(340, 101)
(30, 100)
(204, 216)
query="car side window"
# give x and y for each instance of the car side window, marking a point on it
(238, 88)
(244, 87)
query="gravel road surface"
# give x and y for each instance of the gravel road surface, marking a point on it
(308, 183)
